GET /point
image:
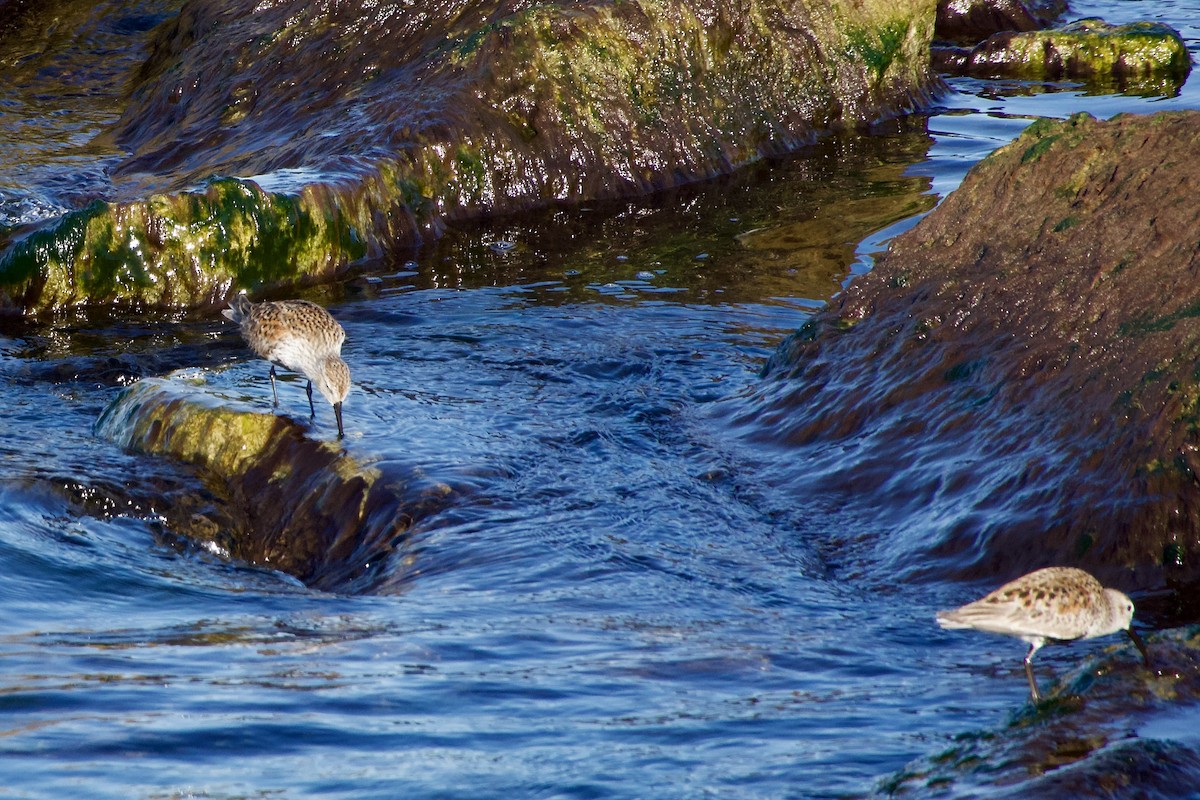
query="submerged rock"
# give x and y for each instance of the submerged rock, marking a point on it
(1140, 56)
(287, 502)
(1015, 384)
(343, 130)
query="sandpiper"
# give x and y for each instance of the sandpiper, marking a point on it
(1052, 604)
(300, 336)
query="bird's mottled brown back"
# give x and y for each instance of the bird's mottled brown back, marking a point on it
(270, 329)
(1059, 590)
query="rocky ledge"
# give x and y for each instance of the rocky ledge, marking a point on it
(1112, 728)
(286, 501)
(1019, 371)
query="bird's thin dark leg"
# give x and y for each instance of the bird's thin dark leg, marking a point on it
(273, 392)
(1037, 698)
(310, 403)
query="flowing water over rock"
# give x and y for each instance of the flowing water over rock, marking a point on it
(620, 598)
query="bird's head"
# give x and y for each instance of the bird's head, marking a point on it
(334, 381)
(1120, 610)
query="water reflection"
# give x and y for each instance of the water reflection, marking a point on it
(65, 67)
(778, 232)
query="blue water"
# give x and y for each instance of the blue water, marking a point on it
(622, 603)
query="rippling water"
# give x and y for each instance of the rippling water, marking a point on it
(624, 604)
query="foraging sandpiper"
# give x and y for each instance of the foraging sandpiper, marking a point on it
(300, 336)
(1052, 604)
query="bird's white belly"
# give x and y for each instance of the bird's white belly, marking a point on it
(295, 354)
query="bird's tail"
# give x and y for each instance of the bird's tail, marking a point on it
(952, 620)
(239, 307)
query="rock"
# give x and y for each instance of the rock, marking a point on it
(291, 503)
(1081, 742)
(346, 130)
(178, 250)
(972, 21)
(1139, 56)
(1015, 383)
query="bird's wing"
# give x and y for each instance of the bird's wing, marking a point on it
(1010, 619)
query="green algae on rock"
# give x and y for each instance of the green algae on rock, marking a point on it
(298, 505)
(177, 250)
(1138, 56)
(372, 125)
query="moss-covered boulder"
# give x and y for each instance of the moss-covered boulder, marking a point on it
(1139, 56)
(355, 128)
(1018, 374)
(287, 501)
(179, 249)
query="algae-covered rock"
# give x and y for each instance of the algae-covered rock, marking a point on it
(305, 507)
(1142, 56)
(178, 249)
(1111, 729)
(1018, 373)
(344, 130)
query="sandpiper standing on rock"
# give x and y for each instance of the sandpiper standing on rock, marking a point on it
(300, 336)
(1052, 604)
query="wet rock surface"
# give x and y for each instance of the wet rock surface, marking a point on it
(1019, 370)
(338, 132)
(1109, 729)
(1141, 56)
(276, 497)
(971, 21)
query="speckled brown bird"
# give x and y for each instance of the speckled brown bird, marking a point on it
(1052, 604)
(299, 336)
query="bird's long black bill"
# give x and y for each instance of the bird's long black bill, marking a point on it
(337, 412)
(1137, 640)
